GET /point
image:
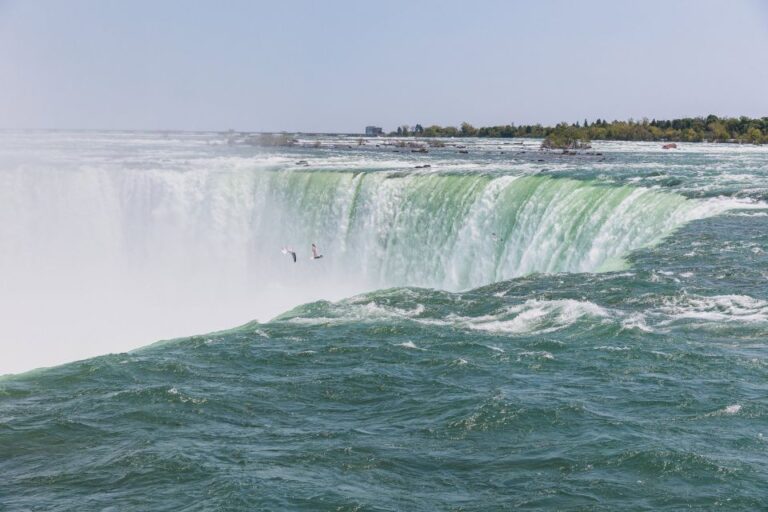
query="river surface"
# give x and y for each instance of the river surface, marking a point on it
(490, 327)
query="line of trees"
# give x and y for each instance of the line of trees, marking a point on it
(689, 129)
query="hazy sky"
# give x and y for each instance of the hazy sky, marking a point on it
(337, 66)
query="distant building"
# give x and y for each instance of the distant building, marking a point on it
(373, 131)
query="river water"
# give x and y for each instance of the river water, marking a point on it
(502, 329)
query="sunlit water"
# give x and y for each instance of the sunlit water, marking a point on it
(509, 328)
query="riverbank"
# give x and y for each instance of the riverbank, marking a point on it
(742, 130)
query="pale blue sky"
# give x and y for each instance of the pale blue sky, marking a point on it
(337, 66)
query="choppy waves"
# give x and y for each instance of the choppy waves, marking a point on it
(536, 316)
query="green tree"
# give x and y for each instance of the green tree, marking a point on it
(718, 130)
(467, 130)
(742, 129)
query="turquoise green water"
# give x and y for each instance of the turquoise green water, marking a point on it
(475, 374)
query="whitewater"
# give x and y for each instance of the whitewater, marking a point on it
(111, 241)
(491, 327)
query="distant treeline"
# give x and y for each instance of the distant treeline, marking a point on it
(689, 129)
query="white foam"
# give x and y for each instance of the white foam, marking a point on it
(540, 316)
(751, 214)
(175, 392)
(539, 354)
(714, 309)
(636, 321)
(532, 316)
